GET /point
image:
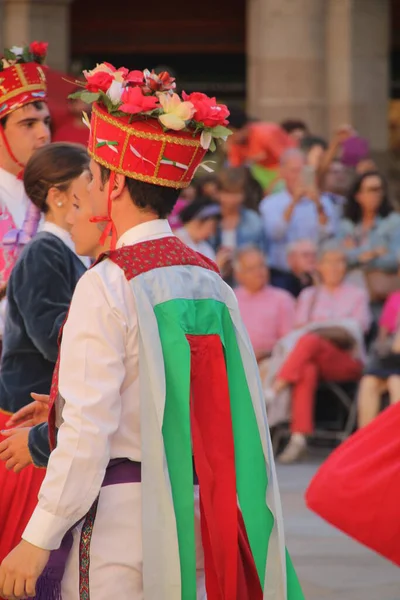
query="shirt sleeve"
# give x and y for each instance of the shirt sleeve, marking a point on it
(38, 444)
(275, 226)
(390, 310)
(303, 307)
(331, 227)
(91, 375)
(287, 315)
(42, 291)
(361, 312)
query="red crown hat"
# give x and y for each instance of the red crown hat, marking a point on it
(140, 127)
(22, 78)
(143, 150)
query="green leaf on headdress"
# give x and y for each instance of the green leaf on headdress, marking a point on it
(220, 131)
(8, 55)
(88, 97)
(213, 146)
(27, 55)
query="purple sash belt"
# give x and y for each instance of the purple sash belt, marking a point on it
(119, 470)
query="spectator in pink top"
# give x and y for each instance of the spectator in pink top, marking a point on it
(267, 312)
(326, 353)
(389, 320)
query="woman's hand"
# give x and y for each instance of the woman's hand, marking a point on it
(34, 413)
(14, 450)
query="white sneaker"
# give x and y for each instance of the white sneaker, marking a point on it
(294, 451)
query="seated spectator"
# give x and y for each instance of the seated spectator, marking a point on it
(268, 313)
(335, 185)
(295, 128)
(199, 219)
(301, 260)
(239, 226)
(298, 212)
(382, 373)
(370, 231)
(327, 352)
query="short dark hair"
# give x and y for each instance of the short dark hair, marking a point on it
(291, 125)
(353, 210)
(148, 196)
(38, 104)
(195, 208)
(310, 141)
(55, 165)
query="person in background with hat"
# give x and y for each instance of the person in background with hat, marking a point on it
(156, 388)
(24, 127)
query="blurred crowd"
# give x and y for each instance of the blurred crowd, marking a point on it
(304, 231)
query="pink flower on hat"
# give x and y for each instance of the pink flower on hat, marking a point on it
(134, 102)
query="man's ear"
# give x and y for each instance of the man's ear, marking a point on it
(119, 185)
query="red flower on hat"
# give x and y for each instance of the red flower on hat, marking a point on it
(133, 101)
(39, 49)
(135, 77)
(163, 82)
(99, 82)
(208, 111)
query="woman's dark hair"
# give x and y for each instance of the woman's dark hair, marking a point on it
(202, 181)
(192, 210)
(148, 196)
(309, 141)
(353, 210)
(232, 179)
(55, 165)
(291, 125)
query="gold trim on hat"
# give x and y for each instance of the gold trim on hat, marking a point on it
(161, 137)
(21, 75)
(32, 87)
(139, 176)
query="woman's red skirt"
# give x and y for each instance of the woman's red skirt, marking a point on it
(358, 488)
(18, 499)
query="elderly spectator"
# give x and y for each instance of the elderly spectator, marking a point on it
(327, 352)
(239, 226)
(200, 219)
(302, 261)
(298, 212)
(268, 313)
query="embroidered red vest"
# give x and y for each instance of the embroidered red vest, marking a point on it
(135, 260)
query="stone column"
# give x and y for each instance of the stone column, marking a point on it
(44, 20)
(286, 61)
(357, 67)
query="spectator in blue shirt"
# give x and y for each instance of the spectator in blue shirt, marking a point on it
(300, 211)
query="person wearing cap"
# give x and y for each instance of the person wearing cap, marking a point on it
(156, 393)
(199, 220)
(24, 127)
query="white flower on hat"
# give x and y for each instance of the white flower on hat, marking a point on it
(17, 50)
(114, 92)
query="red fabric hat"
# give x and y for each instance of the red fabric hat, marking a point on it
(142, 150)
(22, 78)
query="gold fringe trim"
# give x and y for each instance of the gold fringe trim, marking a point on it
(21, 75)
(139, 176)
(5, 412)
(161, 137)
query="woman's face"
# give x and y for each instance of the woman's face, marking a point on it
(370, 195)
(206, 228)
(332, 268)
(85, 234)
(230, 200)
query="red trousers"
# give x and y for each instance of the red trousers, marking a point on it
(311, 360)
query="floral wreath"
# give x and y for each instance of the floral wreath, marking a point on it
(145, 95)
(36, 52)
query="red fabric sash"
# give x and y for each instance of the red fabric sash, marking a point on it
(229, 565)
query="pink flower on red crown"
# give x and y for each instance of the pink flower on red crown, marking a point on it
(134, 102)
(39, 49)
(135, 77)
(208, 111)
(99, 82)
(163, 82)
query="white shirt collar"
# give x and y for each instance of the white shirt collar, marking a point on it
(65, 237)
(12, 193)
(145, 231)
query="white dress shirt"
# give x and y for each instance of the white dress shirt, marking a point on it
(99, 380)
(13, 195)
